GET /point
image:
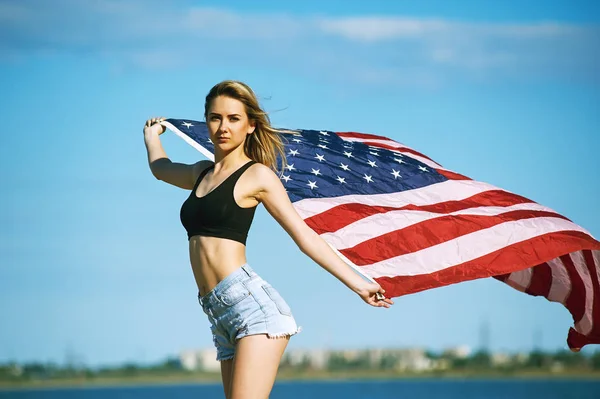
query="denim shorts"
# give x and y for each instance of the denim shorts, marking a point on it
(244, 304)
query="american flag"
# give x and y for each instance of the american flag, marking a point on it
(406, 222)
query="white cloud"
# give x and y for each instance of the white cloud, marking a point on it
(368, 29)
(370, 49)
(371, 29)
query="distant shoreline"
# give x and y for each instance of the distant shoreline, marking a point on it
(215, 378)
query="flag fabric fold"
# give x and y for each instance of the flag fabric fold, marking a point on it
(403, 220)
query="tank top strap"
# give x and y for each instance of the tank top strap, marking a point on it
(232, 180)
(201, 176)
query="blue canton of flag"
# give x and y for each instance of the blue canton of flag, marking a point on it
(322, 164)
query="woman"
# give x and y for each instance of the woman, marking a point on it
(251, 323)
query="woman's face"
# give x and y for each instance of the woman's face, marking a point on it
(228, 123)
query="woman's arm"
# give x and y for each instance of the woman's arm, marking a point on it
(178, 174)
(272, 194)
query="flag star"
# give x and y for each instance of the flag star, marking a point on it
(341, 180)
(423, 168)
(187, 124)
(324, 133)
(320, 157)
(348, 154)
(293, 152)
(208, 141)
(315, 171)
(297, 140)
(286, 178)
(290, 167)
(322, 146)
(373, 164)
(399, 161)
(374, 153)
(368, 178)
(396, 174)
(345, 167)
(312, 184)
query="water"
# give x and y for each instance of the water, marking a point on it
(405, 389)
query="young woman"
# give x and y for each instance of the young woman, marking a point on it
(250, 321)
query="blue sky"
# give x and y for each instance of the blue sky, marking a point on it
(93, 259)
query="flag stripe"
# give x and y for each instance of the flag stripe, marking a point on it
(561, 282)
(521, 279)
(450, 190)
(449, 230)
(513, 256)
(411, 154)
(452, 175)
(488, 202)
(576, 299)
(475, 245)
(594, 270)
(540, 281)
(585, 324)
(380, 224)
(370, 139)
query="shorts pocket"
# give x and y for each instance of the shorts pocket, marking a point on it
(282, 306)
(234, 294)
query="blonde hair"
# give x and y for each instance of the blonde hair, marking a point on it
(265, 144)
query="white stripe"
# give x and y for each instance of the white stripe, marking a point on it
(561, 283)
(352, 265)
(449, 190)
(584, 325)
(468, 247)
(419, 158)
(391, 143)
(383, 223)
(189, 140)
(596, 256)
(520, 280)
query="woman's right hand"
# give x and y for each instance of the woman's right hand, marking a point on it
(153, 126)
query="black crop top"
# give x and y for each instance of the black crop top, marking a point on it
(217, 214)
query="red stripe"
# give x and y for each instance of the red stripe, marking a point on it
(502, 277)
(429, 233)
(343, 215)
(398, 148)
(448, 174)
(541, 281)
(365, 139)
(511, 258)
(365, 136)
(576, 300)
(576, 340)
(593, 270)
(452, 175)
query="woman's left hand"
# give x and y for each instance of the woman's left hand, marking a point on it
(371, 294)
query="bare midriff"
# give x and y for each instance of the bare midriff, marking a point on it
(213, 259)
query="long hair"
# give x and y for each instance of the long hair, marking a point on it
(265, 144)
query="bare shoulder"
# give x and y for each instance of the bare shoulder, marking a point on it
(199, 167)
(263, 176)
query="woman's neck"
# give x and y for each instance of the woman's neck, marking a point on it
(230, 161)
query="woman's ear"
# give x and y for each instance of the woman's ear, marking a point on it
(252, 127)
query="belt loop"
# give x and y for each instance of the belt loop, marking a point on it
(246, 268)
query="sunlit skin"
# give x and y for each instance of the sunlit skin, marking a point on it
(252, 372)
